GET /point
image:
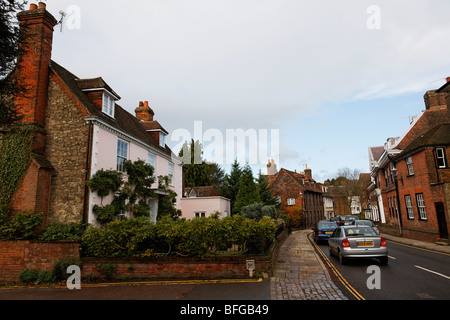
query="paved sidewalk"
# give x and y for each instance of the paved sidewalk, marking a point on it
(299, 274)
(418, 243)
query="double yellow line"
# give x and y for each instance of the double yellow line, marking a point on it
(143, 283)
(349, 287)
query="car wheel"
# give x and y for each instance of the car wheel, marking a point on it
(342, 259)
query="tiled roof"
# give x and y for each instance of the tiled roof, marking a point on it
(438, 136)
(207, 191)
(376, 152)
(123, 120)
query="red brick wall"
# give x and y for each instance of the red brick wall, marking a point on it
(16, 256)
(185, 267)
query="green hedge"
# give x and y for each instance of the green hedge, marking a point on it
(197, 237)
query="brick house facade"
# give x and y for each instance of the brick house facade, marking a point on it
(80, 128)
(300, 190)
(412, 175)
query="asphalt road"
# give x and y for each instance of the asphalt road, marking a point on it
(411, 274)
(252, 289)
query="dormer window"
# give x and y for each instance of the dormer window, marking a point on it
(108, 105)
(162, 139)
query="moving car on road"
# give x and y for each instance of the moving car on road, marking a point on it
(349, 219)
(324, 230)
(357, 242)
(365, 223)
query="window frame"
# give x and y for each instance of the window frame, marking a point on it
(291, 201)
(162, 139)
(421, 207)
(409, 207)
(409, 166)
(443, 158)
(149, 154)
(108, 103)
(119, 166)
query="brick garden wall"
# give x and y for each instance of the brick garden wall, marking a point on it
(16, 256)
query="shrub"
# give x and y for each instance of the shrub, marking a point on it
(21, 225)
(62, 231)
(60, 268)
(258, 210)
(107, 270)
(28, 275)
(46, 277)
(197, 237)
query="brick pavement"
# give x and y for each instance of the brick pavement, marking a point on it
(299, 274)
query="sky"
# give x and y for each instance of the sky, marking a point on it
(328, 78)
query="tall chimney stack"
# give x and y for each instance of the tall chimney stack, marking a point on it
(35, 50)
(144, 113)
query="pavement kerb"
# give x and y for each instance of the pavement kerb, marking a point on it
(418, 243)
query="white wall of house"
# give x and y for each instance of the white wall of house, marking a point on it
(205, 206)
(104, 156)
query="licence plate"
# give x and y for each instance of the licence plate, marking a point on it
(365, 244)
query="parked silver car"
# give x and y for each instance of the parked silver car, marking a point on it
(357, 242)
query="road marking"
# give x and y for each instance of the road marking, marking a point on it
(352, 290)
(407, 245)
(145, 283)
(439, 274)
(390, 257)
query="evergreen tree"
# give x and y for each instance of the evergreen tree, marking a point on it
(265, 191)
(248, 190)
(230, 186)
(197, 172)
(9, 44)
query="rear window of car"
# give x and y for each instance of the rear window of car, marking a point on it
(360, 231)
(327, 225)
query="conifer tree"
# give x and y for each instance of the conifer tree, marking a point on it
(248, 190)
(230, 186)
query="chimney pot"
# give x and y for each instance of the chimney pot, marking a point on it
(33, 6)
(146, 104)
(447, 79)
(42, 5)
(141, 104)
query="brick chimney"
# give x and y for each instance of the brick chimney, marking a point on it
(144, 112)
(308, 174)
(434, 99)
(271, 168)
(35, 44)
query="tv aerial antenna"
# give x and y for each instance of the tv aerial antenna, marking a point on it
(63, 14)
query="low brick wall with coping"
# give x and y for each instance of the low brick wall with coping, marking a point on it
(16, 256)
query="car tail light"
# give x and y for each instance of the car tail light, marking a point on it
(345, 243)
(320, 232)
(383, 242)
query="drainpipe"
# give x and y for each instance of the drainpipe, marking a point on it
(398, 199)
(86, 176)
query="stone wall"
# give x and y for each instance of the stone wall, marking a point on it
(67, 141)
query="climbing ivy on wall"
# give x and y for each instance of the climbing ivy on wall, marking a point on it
(15, 156)
(130, 194)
